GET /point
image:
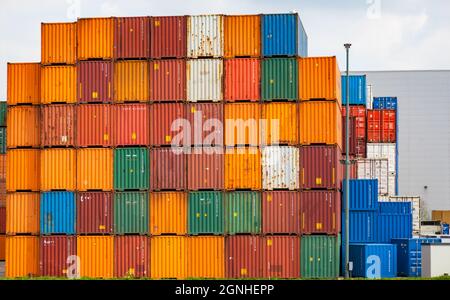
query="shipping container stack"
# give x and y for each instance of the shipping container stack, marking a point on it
(3, 118)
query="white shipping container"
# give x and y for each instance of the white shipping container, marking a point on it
(375, 169)
(415, 205)
(392, 183)
(204, 80)
(381, 150)
(205, 36)
(435, 260)
(280, 167)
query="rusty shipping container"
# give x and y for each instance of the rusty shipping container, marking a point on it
(279, 124)
(320, 212)
(95, 81)
(132, 37)
(206, 257)
(23, 83)
(131, 256)
(95, 38)
(23, 125)
(94, 169)
(168, 37)
(95, 256)
(58, 169)
(2, 169)
(243, 256)
(242, 168)
(23, 169)
(167, 169)
(242, 77)
(162, 118)
(281, 257)
(242, 37)
(168, 80)
(58, 84)
(204, 80)
(94, 125)
(2, 247)
(280, 212)
(58, 125)
(131, 124)
(131, 81)
(242, 124)
(58, 43)
(168, 212)
(94, 213)
(206, 124)
(169, 257)
(205, 36)
(56, 255)
(275, 173)
(22, 256)
(205, 168)
(2, 220)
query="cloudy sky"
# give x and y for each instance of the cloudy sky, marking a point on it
(386, 34)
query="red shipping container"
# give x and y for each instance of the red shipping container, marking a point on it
(131, 124)
(381, 126)
(374, 126)
(2, 220)
(243, 255)
(205, 168)
(132, 37)
(162, 116)
(168, 80)
(94, 125)
(280, 212)
(131, 256)
(206, 121)
(320, 167)
(320, 212)
(57, 255)
(167, 169)
(242, 78)
(361, 146)
(389, 126)
(352, 135)
(95, 80)
(281, 257)
(168, 37)
(360, 113)
(94, 213)
(58, 125)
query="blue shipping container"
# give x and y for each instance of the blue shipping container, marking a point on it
(384, 103)
(362, 226)
(57, 213)
(283, 35)
(402, 208)
(409, 255)
(363, 194)
(373, 260)
(357, 88)
(393, 226)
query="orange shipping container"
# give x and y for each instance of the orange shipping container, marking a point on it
(24, 83)
(206, 257)
(22, 169)
(131, 81)
(22, 213)
(242, 36)
(243, 168)
(168, 257)
(320, 123)
(280, 123)
(168, 211)
(94, 169)
(58, 84)
(58, 43)
(2, 247)
(23, 125)
(22, 256)
(58, 169)
(95, 38)
(95, 256)
(242, 124)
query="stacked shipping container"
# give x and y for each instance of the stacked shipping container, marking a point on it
(3, 118)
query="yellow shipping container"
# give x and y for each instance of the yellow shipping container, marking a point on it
(95, 38)
(242, 168)
(242, 124)
(206, 257)
(58, 84)
(441, 215)
(242, 36)
(22, 210)
(58, 43)
(168, 257)
(94, 169)
(168, 213)
(95, 256)
(280, 123)
(131, 81)
(24, 83)
(22, 256)
(23, 125)
(22, 170)
(58, 169)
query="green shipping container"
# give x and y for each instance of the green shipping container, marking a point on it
(319, 256)
(243, 212)
(131, 169)
(2, 140)
(205, 213)
(131, 212)
(3, 111)
(279, 79)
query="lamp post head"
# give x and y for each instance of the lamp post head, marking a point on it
(347, 46)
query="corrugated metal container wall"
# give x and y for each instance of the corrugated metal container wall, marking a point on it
(168, 169)
(22, 211)
(94, 125)
(206, 121)
(242, 124)
(58, 43)
(206, 257)
(243, 212)
(168, 213)
(319, 256)
(169, 257)
(168, 37)
(205, 36)
(388, 151)
(275, 175)
(320, 122)
(363, 194)
(131, 256)
(243, 256)
(281, 257)
(281, 124)
(95, 80)
(362, 226)
(279, 79)
(3, 113)
(361, 254)
(242, 77)
(168, 80)
(58, 84)
(58, 169)
(375, 169)
(395, 208)
(385, 103)
(205, 169)
(131, 81)
(2, 247)
(55, 255)
(94, 169)
(204, 80)
(3, 168)
(23, 126)
(393, 226)
(131, 213)
(58, 125)
(242, 168)
(416, 211)
(206, 213)
(280, 212)
(132, 37)
(95, 255)
(58, 213)
(131, 169)
(381, 126)
(357, 91)
(131, 124)
(242, 36)
(319, 78)
(94, 213)
(162, 116)
(23, 167)
(22, 256)
(24, 83)
(320, 212)
(2, 220)
(95, 38)
(3, 140)
(360, 113)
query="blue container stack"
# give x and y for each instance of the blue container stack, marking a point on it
(357, 90)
